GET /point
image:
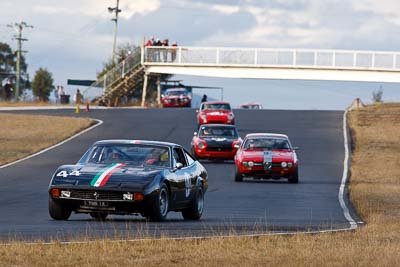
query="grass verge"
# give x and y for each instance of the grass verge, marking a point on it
(374, 190)
(22, 135)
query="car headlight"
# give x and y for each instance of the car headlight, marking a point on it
(250, 163)
(245, 163)
(204, 117)
(290, 164)
(200, 145)
(236, 145)
(284, 164)
(65, 193)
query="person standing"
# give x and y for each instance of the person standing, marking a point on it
(60, 93)
(8, 90)
(165, 50)
(78, 98)
(173, 51)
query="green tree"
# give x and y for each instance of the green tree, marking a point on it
(42, 84)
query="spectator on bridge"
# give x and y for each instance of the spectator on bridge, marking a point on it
(150, 51)
(157, 51)
(204, 99)
(165, 50)
(173, 51)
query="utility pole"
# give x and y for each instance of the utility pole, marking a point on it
(115, 19)
(18, 27)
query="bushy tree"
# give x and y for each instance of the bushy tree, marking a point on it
(8, 64)
(377, 95)
(42, 84)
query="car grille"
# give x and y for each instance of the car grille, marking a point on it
(96, 195)
(219, 149)
(274, 164)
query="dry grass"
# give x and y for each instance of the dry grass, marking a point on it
(26, 104)
(22, 135)
(374, 191)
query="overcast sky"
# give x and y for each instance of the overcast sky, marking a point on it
(71, 38)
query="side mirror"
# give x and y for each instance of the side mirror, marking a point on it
(296, 148)
(195, 134)
(179, 166)
(197, 110)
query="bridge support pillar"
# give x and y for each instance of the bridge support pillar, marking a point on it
(158, 91)
(144, 92)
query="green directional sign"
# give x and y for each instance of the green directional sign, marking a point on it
(80, 82)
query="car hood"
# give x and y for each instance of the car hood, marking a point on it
(277, 155)
(176, 97)
(216, 112)
(105, 176)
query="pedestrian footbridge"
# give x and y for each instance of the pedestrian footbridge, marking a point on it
(253, 63)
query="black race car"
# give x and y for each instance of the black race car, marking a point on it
(130, 177)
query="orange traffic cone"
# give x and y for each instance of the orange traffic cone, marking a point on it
(87, 107)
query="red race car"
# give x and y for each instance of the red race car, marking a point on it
(215, 141)
(176, 97)
(215, 112)
(251, 106)
(265, 155)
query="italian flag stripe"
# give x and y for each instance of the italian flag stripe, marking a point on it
(102, 177)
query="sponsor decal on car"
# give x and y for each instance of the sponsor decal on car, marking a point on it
(102, 177)
(267, 160)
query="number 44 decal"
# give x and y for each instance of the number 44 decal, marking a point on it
(66, 174)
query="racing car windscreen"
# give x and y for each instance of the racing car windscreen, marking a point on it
(176, 93)
(266, 144)
(130, 154)
(223, 106)
(218, 131)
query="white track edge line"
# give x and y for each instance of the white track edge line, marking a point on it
(99, 122)
(346, 212)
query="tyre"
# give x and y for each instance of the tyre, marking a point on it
(295, 177)
(238, 175)
(195, 210)
(99, 216)
(159, 206)
(57, 211)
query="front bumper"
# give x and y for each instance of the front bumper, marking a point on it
(204, 154)
(85, 204)
(274, 172)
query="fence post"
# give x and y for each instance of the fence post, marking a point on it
(217, 59)
(354, 59)
(394, 61)
(334, 59)
(123, 69)
(180, 55)
(255, 56)
(294, 57)
(315, 58)
(373, 60)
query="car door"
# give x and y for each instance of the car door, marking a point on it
(184, 185)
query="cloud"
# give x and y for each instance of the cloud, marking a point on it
(95, 8)
(225, 9)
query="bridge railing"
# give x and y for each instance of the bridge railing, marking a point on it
(118, 72)
(265, 57)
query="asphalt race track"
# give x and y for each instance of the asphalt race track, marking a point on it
(240, 208)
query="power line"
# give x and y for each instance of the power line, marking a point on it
(18, 27)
